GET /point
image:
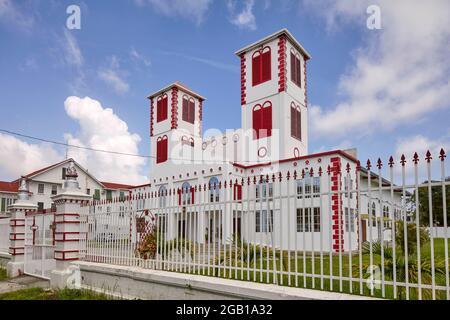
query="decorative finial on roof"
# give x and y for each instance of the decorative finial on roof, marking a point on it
(71, 170)
(23, 185)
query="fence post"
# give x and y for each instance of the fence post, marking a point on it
(67, 228)
(15, 266)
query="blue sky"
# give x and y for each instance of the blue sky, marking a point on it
(383, 91)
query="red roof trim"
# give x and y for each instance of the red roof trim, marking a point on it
(322, 154)
(116, 186)
(11, 187)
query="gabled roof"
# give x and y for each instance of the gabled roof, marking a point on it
(9, 187)
(37, 172)
(116, 186)
(272, 37)
(43, 170)
(180, 86)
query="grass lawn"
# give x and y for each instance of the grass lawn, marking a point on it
(344, 266)
(43, 294)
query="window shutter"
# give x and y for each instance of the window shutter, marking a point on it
(266, 66)
(293, 121)
(267, 121)
(256, 69)
(191, 111)
(299, 125)
(158, 151)
(185, 109)
(298, 72)
(179, 197)
(193, 195)
(293, 68)
(165, 149)
(164, 109)
(256, 123)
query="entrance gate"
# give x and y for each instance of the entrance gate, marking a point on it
(39, 258)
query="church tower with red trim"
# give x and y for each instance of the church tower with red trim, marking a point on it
(175, 126)
(274, 98)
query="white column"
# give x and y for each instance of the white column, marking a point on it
(68, 216)
(15, 266)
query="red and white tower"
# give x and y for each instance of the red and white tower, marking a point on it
(175, 126)
(274, 97)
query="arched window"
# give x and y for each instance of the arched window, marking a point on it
(295, 68)
(188, 109)
(261, 66)
(186, 195)
(161, 108)
(162, 197)
(161, 149)
(262, 120)
(296, 121)
(214, 192)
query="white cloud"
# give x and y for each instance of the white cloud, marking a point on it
(399, 75)
(418, 143)
(101, 128)
(113, 76)
(194, 10)
(10, 14)
(139, 57)
(73, 55)
(20, 158)
(244, 19)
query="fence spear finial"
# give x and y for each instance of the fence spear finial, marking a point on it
(320, 171)
(391, 161)
(311, 172)
(428, 156)
(369, 165)
(415, 158)
(379, 164)
(403, 160)
(347, 167)
(442, 154)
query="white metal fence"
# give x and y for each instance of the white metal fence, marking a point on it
(4, 235)
(335, 229)
(39, 244)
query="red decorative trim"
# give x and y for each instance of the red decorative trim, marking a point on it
(306, 82)
(337, 214)
(243, 79)
(63, 253)
(13, 251)
(14, 223)
(152, 116)
(174, 120)
(13, 236)
(282, 63)
(322, 154)
(200, 116)
(64, 237)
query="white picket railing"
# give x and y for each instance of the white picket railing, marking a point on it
(4, 235)
(288, 229)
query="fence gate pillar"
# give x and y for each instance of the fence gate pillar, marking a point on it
(67, 228)
(15, 266)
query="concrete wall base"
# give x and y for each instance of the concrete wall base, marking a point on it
(14, 269)
(139, 283)
(5, 257)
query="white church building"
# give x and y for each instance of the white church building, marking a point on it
(271, 143)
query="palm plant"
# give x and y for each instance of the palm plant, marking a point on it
(406, 265)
